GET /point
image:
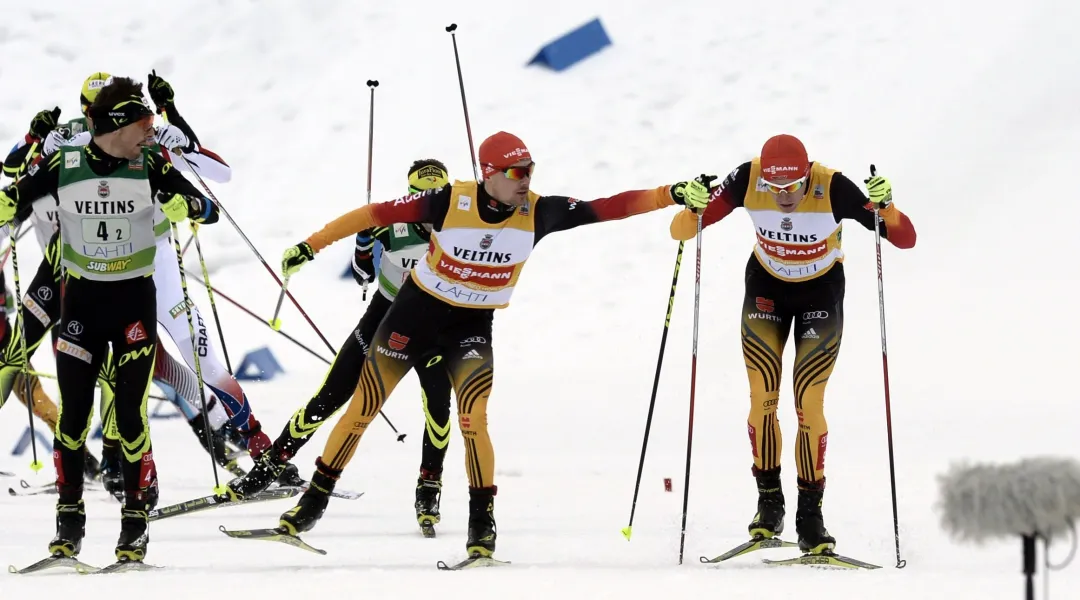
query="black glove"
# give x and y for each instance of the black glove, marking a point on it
(363, 269)
(363, 265)
(44, 122)
(160, 91)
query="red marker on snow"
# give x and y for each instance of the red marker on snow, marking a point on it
(667, 484)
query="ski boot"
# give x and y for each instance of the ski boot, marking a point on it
(769, 520)
(428, 493)
(233, 437)
(112, 477)
(313, 503)
(217, 447)
(70, 529)
(482, 534)
(91, 467)
(134, 534)
(268, 469)
(290, 476)
(809, 523)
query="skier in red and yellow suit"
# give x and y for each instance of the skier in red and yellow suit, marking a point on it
(794, 276)
(482, 235)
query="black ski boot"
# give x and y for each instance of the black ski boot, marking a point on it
(91, 467)
(290, 475)
(70, 529)
(134, 527)
(809, 522)
(313, 503)
(769, 520)
(428, 493)
(216, 447)
(112, 477)
(134, 535)
(268, 468)
(482, 532)
(233, 437)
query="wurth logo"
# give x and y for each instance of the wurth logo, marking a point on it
(397, 341)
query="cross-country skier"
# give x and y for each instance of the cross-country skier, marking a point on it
(795, 275)
(107, 193)
(42, 298)
(482, 237)
(223, 393)
(404, 244)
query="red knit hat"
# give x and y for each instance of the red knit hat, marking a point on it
(783, 157)
(500, 151)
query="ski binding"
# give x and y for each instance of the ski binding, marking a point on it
(53, 562)
(473, 562)
(757, 543)
(121, 566)
(825, 559)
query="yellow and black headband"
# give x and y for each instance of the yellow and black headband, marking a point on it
(427, 177)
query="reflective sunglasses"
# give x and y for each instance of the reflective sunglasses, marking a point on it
(789, 188)
(517, 173)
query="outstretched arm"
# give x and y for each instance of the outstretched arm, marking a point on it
(559, 213)
(426, 207)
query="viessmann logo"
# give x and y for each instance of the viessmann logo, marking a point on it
(779, 170)
(460, 272)
(783, 251)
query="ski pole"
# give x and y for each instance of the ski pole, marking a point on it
(218, 488)
(209, 292)
(464, 105)
(705, 179)
(262, 320)
(221, 209)
(35, 464)
(275, 322)
(372, 83)
(628, 530)
(900, 563)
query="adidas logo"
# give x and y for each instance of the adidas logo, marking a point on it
(472, 354)
(810, 334)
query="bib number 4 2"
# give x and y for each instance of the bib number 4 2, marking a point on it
(106, 231)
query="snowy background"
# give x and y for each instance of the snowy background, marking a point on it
(967, 110)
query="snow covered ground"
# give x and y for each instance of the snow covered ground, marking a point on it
(970, 112)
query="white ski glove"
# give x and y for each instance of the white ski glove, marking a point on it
(171, 137)
(54, 140)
